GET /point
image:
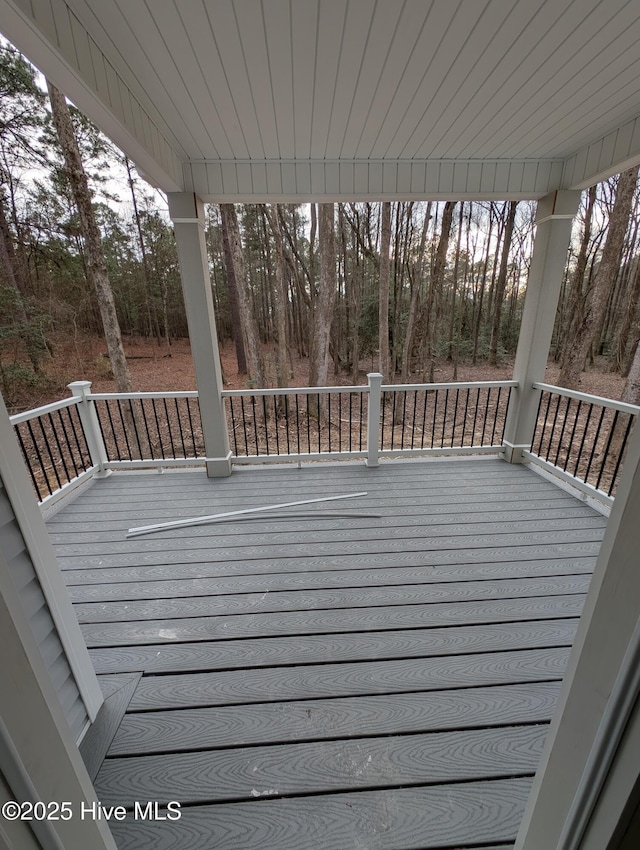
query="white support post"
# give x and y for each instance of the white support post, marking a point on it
(187, 213)
(554, 220)
(590, 745)
(89, 419)
(373, 418)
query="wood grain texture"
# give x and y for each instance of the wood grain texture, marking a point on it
(178, 588)
(312, 529)
(371, 646)
(169, 609)
(350, 717)
(201, 569)
(310, 768)
(386, 678)
(330, 621)
(280, 684)
(468, 814)
(487, 540)
(97, 740)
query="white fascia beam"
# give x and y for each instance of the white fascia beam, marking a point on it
(294, 181)
(615, 152)
(138, 136)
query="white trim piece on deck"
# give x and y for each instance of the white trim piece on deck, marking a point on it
(39, 546)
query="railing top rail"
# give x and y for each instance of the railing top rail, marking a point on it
(453, 385)
(42, 411)
(633, 409)
(167, 394)
(294, 391)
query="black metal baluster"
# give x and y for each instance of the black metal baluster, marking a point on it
(266, 423)
(124, 428)
(244, 427)
(286, 422)
(384, 404)
(435, 416)
(424, 418)
(595, 444)
(68, 446)
(506, 410)
(464, 416)
(486, 415)
(573, 432)
(455, 417)
(495, 417)
(621, 454)
(553, 427)
(146, 428)
(48, 448)
(562, 430)
(107, 408)
(180, 430)
(584, 437)
(233, 426)
(444, 417)
(169, 428)
(605, 454)
(29, 462)
(192, 429)
(255, 424)
(158, 429)
(76, 438)
(544, 424)
(134, 425)
(275, 420)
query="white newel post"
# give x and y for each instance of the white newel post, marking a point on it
(373, 418)
(554, 220)
(187, 213)
(89, 419)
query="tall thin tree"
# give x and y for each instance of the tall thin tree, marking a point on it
(96, 266)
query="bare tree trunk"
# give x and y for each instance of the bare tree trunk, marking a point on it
(284, 363)
(323, 313)
(576, 301)
(501, 283)
(416, 284)
(96, 267)
(151, 306)
(437, 280)
(603, 282)
(232, 284)
(383, 306)
(247, 316)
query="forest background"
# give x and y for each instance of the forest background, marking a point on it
(303, 294)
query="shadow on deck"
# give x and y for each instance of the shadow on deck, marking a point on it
(327, 682)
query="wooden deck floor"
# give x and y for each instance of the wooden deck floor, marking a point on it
(327, 682)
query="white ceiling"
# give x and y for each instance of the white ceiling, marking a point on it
(392, 98)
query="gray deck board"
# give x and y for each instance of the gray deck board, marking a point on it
(100, 734)
(330, 621)
(363, 534)
(261, 602)
(203, 579)
(329, 681)
(284, 770)
(280, 684)
(461, 815)
(312, 649)
(326, 719)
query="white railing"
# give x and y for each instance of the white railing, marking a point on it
(582, 439)
(578, 437)
(90, 433)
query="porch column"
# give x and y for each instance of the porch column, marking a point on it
(187, 213)
(584, 787)
(554, 220)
